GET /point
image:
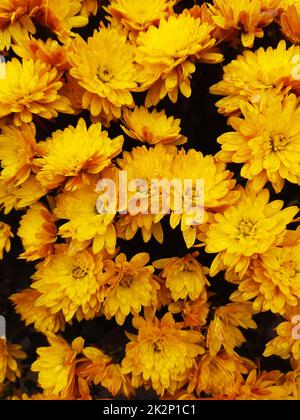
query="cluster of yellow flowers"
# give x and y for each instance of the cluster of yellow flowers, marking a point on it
(180, 344)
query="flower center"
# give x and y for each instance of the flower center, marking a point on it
(127, 280)
(246, 229)
(288, 269)
(278, 142)
(104, 74)
(80, 272)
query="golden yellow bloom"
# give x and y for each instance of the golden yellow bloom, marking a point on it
(161, 354)
(56, 366)
(74, 92)
(5, 237)
(290, 20)
(49, 52)
(139, 16)
(273, 280)
(223, 330)
(267, 142)
(35, 91)
(128, 286)
(193, 312)
(218, 190)
(250, 227)
(73, 156)
(287, 342)
(18, 148)
(116, 382)
(108, 78)
(89, 7)
(220, 375)
(38, 232)
(166, 54)
(61, 16)
(10, 354)
(246, 16)
(152, 127)
(263, 386)
(41, 317)
(185, 277)
(70, 284)
(254, 74)
(16, 20)
(85, 226)
(292, 381)
(144, 164)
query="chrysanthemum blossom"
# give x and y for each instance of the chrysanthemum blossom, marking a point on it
(290, 20)
(152, 127)
(31, 88)
(128, 286)
(10, 355)
(139, 16)
(89, 7)
(16, 20)
(73, 156)
(264, 386)
(56, 366)
(5, 238)
(108, 78)
(85, 226)
(250, 227)
(38, 232)
(245, 16)
(162, 353)
(223, 330)
(216, 191)
(41, 317)
(266, 142)
(18, 148)
(70, 284)
(185, 277)
(253, 74)
(166, 54)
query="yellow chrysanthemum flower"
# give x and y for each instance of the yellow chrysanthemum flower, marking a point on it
(152, 127)
(74, 92)
(89, 7)
(264, 386)
(139, 16)
(273, 280)
(108, 78)
(254, 74)
(10, 354)
(38, 232)
(250, 227)
(61, 16)
(5, 237)
(287, 341)
(18, 148)
(166, 53)
(220, 375)
(185, 277)
(70, 284)
(161, 354)
(218, 190)
(116, 382)
(41, 317)
(290, 20)
(223, 330)
(144, 164)
(194, 312)
(128, 286)
(49, 52)
(16, 20)
(73, 156)
(267, 142)
(31, 88)
(246, 16)
(56, 366)
(85, 226)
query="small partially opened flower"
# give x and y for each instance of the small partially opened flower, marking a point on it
(56, 366)
(89, 7)
(152, 127)
(264, 386)
(38, 232)
(10, 355)
(31, 88)
(290, 20)
(73, 156)
(5, 238)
